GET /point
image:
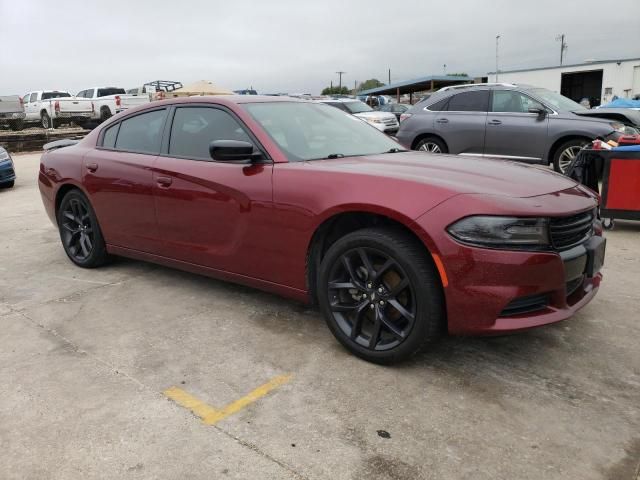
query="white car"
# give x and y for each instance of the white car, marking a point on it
(384, 121)
(50, 108)
(107, 101)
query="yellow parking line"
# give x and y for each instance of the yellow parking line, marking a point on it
(210, 415)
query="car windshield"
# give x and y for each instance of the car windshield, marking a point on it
(314, 131)
(556, 101)
(358, 107)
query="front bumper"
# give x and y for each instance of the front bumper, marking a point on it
(495, 291)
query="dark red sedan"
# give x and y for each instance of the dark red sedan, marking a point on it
(303, 200)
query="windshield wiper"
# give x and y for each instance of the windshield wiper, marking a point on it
(335, 155)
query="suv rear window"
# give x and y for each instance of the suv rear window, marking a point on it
(477, 101)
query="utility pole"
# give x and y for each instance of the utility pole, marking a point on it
(355, 87)
(444, 69)
(563, 46)
(497, 44)
(340, 77)
(389, 77)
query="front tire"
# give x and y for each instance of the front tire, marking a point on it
(380, 294)
(80, 232)
(8, 184)
(565, 153)
(431, 145)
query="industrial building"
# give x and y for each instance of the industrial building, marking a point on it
(599, 81)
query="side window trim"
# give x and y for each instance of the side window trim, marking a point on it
(166, 140)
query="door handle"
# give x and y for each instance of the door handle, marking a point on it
(494, 122)
(164, 181)
(442, 120)
(92, 167)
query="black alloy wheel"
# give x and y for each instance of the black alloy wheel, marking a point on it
(380, 294)
(79, 231)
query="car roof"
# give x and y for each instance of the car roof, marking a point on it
(340, 100)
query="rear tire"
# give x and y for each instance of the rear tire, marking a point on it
(380, 294)
(565, 153)
(80, 232)
(8, 184)
(45, 120)
(105, 114)
(432, 145)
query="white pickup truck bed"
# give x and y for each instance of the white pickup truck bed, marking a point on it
(108, 101)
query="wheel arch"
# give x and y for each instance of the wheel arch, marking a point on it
(62, 191)
(565, 138)
(338, 224)
(424, 135)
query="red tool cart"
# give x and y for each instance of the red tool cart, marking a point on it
(619, 168)
(620, 185)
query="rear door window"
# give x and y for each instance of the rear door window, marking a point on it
(194, 128)
(142, 133)
(439, 106)
(477, 101)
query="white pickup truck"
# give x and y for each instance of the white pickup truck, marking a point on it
(50, 108)
(12, 112)
(107, 101)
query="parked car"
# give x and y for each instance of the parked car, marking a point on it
(107, 101)
(517, 122)
(7, 171)
(12, 112)
(50, 108)
(383, 121)
(297, 198)
(396, 108)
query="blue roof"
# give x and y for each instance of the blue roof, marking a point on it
(419, 84)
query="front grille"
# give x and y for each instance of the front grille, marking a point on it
(573, 285)
(528, 304)
(567, 232)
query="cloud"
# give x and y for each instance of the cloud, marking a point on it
(282, 45)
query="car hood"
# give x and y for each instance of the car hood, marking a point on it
(624, 115)
(454, 174)
(380, 115)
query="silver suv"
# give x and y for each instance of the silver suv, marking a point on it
(517, 122)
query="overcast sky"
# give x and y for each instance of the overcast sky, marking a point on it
(297, 45)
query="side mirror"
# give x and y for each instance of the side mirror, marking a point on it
(232, 151)
(541, 112)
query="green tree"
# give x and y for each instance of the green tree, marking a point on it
(336, 91)
(371, 83)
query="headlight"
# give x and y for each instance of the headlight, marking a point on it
(622, 128)
(502, 232)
